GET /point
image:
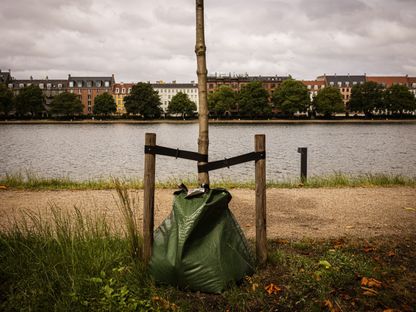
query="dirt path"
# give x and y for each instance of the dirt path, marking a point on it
(292, 213)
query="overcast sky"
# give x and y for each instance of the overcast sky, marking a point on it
(142, 40)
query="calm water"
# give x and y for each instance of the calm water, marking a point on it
(94, 151)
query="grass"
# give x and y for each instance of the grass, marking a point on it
(33, 181)
(77, 262)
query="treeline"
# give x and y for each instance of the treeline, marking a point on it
(252, 102)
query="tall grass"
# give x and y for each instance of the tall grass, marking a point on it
(31, 181)
(73, 262)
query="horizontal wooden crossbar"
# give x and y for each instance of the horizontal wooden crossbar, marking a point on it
(227, 162)
(177, 153)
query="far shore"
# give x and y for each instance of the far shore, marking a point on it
(213, 121)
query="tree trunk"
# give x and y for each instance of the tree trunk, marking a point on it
(200, 49)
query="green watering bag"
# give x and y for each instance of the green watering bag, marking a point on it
(200, 246)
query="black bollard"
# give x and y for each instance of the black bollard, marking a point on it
(303, 163)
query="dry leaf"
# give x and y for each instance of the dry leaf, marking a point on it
(409, 208)
(3, 187)
(272, 289)
(369, 291)
(391, 253)
(388, 310)
(368, 249)
(254, 286)
(371, 282)
(330, 306)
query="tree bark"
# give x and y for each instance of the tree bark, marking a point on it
(200, 51)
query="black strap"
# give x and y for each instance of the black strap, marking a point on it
(214, 165)
(177, 153)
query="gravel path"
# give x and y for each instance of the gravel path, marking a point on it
(291, 213)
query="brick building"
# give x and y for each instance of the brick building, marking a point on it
(236, 82)
(87, 88)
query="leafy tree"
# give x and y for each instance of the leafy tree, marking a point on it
(254, 100)
(222, 100)
(30, 100)
(328, 101)
(104, 104)
(65, 103)
(399, 99)
(291, 97)
(6, 99)
(181, 104)
(366, 97)
(143, 100)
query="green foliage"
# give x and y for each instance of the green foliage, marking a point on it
(181, 104)
(328, 101)
(67, 104)
(399, 99)
(6, 99)
(291, 97)
(222, 100)
(143, 100)
(30, 100)
(104, 104)
(254, 100)
(366, 97)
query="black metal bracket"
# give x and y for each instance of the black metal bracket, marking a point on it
(227, 162)
(177, 153)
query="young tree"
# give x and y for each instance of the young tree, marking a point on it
(181, 104)
(104, 104)
(254, 100)
(328, 101)
(143, 100)
(222, 100)
(6, 99)
(30, 100)
(366, 97)
(66, 104)
(398, 99)
(291, 97)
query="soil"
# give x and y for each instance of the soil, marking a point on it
(291, 213)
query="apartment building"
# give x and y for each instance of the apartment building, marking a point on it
(313, 87)
(50, 87)
(168, 90)
(87, 88)
(344, 83)
(236, 82)
(5, 77)
(120, 91)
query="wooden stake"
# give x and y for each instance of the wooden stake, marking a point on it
(200, 51)
(149, 198)
(261, 236)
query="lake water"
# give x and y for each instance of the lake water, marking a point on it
(93, 151)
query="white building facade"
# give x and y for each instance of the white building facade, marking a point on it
(168, 90)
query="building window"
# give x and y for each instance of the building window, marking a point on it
(309, 87)
(347, 83)
(59, 85)
(354, 83)
(10, 85)
(98, 84)
(89, 84)
(21, 85)
(48, 85)
(89, 109)
(129, 90)
(315, 87)
(331, 83)
(123, 90)
(79, 84)
(41, 85)
(339, 83)
(117, 90)
(89, 91)
(106, 84)
(71, 84)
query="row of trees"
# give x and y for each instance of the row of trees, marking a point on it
(292, 97)
(253, 101)
(143, 100)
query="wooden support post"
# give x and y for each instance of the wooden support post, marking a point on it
(149, 198)
(261, 236)
(303, 163)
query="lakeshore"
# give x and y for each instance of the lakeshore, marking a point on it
(213, 121)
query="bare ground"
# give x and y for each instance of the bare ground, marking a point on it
(291, 213)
